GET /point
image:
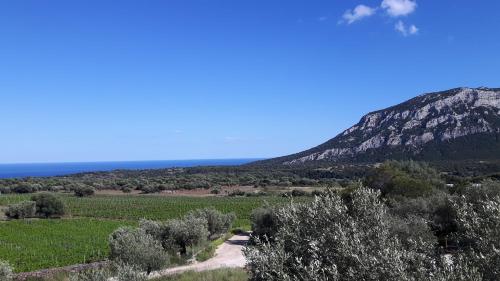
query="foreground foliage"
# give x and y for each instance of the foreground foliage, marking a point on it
(336, 239)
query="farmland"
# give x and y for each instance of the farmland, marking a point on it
(82, 235)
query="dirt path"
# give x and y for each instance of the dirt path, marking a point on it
(227, 255)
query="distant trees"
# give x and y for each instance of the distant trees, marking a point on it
(335, 239)
(406, 179)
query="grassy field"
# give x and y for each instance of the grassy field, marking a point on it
(82, 235)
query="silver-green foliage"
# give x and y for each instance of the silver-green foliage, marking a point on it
(26, 209)
(90, 275)
(6, 273)
(130, 273)
(217, 222)
(479, 231)
(137, 248)
(329, 239)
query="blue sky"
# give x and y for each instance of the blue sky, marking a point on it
(190, 79)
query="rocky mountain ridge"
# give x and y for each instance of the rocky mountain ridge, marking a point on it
(459, 123)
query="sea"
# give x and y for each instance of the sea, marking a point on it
(23, 170)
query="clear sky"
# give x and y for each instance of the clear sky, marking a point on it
(190, 79)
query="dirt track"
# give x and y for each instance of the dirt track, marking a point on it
(227, 255)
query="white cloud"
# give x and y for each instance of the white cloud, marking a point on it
(406, 30)
(413, 29)
(397, 8)
(360, 12)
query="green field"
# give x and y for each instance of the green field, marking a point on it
(36, 244)
(82, 236)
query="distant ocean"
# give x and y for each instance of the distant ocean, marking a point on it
(61, 169)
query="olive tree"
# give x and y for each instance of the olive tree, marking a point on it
(183, 233)
(217, 222)
(330, 239)
(264, 222)
(137, 248)
(48, 205)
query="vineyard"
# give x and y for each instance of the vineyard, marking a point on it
(82, 235)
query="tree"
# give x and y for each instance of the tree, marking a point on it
(184, 233)
(217, 222)
(264, 222)
(84, 191)
(134, 247)
(48, 205)
(329, 239)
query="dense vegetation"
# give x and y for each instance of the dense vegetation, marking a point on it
(400, 228)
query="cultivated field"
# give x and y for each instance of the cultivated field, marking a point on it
(82, 235)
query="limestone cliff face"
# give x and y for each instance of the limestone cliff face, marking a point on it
(431, 125)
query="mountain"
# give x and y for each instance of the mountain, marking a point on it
(458, 124)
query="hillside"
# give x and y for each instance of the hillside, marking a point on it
(458, 124)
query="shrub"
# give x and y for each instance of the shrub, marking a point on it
(48, 205)
(130, 273)
(6, 272)
(137, 248)
(90, 275)
(84, 191)
(217, 222)
(21, 210)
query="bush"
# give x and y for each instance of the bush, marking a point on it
(137, 248)
(90, 275)
(21, 210)
(130, 273)
(84, 191)
(48, 205)
(6, 272)
(217, 222)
